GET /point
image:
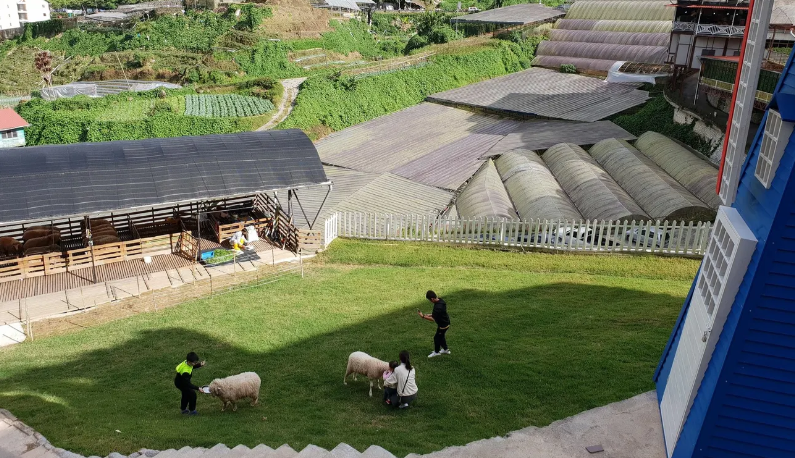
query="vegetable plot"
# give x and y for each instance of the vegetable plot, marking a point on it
(225, 106)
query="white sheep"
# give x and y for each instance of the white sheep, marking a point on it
(360, 362)
(235, 388)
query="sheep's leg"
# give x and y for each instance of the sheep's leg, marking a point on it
(344, 381)
(371, 388)
(234, 406)
(255, 401)
(223, 406)
(354, 376)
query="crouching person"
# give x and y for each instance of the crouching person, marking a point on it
(403, 378)
(183, 383)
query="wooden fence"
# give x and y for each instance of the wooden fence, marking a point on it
(673, 238)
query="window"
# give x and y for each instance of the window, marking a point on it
(10, 134)
(774, 140)
(728, 254)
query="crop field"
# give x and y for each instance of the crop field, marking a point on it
(226, 106)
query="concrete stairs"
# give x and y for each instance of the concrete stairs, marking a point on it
(626, 429)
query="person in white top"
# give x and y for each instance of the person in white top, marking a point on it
(404, 378)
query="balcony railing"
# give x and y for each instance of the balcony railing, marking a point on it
(709, 29)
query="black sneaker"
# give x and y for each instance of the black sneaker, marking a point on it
(185, 412)
(193, 412)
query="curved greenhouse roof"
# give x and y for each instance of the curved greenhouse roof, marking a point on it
(533, 189)
(603, 51)
(593, 190)
(615, 26)
(695, 174)
(655, 191)
(485, 196)
(649, 10)
(616, 38)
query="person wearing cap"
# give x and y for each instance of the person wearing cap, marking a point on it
(182, 382)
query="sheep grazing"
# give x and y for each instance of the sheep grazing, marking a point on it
(9, 246)
(360, 362)
(235, 388)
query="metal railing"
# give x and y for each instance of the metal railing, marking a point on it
(663, 237)
(709, 29)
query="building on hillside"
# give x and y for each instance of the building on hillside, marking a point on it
(726, 382)
(12, 127)
(32, 11)
(9, 17)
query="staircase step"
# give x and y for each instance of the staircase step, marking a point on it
(375, 451)
(285, 451)
(260, 451)
(313, 451)
(195, 452)
(170, 453)
(237, 452)
(217, 451)
(345, 451)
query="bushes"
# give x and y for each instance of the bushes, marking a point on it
(568, 68)
(658, 115)
(416, 42)
(431, 28)
(268, 58)
(325, 104)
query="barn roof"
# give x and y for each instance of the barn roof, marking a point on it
(655, 191)
(533, 189)
(595, 193)
(527, 13)
(485, 196)
(9, 119)
(63, 180)
(695, 174)
(546, 93)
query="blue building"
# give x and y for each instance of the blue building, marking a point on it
(726, 380)
(12, 126)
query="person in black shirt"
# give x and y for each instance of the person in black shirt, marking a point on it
(442, 320)
(183, 383)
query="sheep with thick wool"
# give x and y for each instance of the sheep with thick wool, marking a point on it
(236, 387)
(360, 362)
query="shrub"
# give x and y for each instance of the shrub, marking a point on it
(416, 42)
(443, 34)
(568, 68)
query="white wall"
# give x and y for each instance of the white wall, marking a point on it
(34, 11)
(681, 45)
(9, 18)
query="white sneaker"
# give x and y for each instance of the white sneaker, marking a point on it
(433, 353)
(444, 352)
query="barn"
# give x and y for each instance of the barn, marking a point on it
(726, 380)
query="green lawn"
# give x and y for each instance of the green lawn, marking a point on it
(535, 338)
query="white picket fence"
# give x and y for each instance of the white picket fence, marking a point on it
(674, 238)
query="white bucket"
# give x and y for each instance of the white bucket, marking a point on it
(148, 259)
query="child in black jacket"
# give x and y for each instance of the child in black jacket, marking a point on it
(183, 383)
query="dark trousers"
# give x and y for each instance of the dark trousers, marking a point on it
(439, 341)
(391, 394)
(188, 398)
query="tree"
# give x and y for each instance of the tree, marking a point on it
(43, 63)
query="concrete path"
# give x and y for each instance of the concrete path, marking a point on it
(626, 429)
(288, 102)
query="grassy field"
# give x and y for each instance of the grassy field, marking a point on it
(534, 338)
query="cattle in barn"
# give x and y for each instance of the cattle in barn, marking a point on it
(9, 246)
(106, 239)
(42, 250)
(42, 242)
(40, 232)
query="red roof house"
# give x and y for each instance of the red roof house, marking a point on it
(11, 128)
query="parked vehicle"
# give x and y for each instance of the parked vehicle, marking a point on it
(473, 9)
(654, 236)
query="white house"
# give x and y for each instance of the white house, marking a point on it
(16, 13)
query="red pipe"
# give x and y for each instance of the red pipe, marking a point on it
(734, 94)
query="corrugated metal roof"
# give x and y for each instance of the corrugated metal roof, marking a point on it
(540, 135)
(595, 193)
(655, 191)
(527, 13)
(546, 93)
(696, 175)
(485, 196)
(368, 192)
(535, 192)
(64, 180)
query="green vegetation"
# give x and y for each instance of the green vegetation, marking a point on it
(568, 68)
(225, 106)
(658, 115)
(220, 256)
(332, 103)
(128, 116)
(534, 339)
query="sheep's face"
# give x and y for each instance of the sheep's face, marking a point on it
(215, 390)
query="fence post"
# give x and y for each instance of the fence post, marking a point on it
(27, 321)
(301, 260)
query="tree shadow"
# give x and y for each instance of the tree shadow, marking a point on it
(521, 357)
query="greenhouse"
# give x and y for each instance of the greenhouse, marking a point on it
(615, 26)
(533, 189)
(695, 174)
(593, 190)
(655, 191)
(622, 10)
(485, 196)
